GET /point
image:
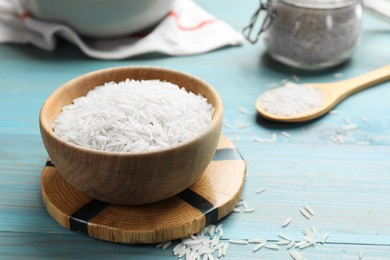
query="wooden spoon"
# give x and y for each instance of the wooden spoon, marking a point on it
(334, 93)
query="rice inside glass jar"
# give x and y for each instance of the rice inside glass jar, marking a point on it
(312, 34)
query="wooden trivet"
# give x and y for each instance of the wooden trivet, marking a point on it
(208, 200)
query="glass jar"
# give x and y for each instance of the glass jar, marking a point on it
(310, 34)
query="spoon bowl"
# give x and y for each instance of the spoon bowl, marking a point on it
(334, 93)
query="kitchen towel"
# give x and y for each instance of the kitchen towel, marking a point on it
(186, 30)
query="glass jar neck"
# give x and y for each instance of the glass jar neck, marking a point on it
(319, 4)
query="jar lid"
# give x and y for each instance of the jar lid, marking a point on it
(320, 4)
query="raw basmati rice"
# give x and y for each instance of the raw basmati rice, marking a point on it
(346, 120)
(285, 134)
(238, 241)
(243, 110)
(364, 119)
(292, 244)
(272, 246)
(305, 213)
(349, 127)
(166, 245)
(258, 246)
(260, 190)
(257, 240)
(283, 242)
(325, 238)
(291, 99)
(296, 255)
(361, 253)
(248, 210)
(287, 221)
(334, 112)
(310, 210)
(285, 237)
(134, 116)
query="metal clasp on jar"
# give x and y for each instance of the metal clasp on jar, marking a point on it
(269, 16)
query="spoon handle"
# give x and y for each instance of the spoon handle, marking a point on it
(351, 86)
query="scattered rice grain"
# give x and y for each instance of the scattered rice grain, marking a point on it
(258, 246)
(364, 119)
(285, 134)
(264, 140)
(349, 127)
(361, 253)
(283, 242)
(166, 245)
(292, 244)
(225, 248)
(325, 238)
(296, 255)
(248, 210)
(211, 230)
(310, 210)
(159, 245)
(340, 138)
(305, 213)
(220, 252)
(287, 221)
(260, 190)
(285, 237)
(334, 112)
(238, 241)
(236, 210)
(218, 228)
(243, 111)
(242, 126)
(215, 241)
(272, 246)
(306, 244)
(346, 120)
(257, 240)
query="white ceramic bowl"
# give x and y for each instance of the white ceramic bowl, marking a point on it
(101, 18)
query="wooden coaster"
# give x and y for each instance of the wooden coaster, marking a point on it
(208, 200)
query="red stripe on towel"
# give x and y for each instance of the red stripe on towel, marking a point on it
(192, 28)
(25, 15)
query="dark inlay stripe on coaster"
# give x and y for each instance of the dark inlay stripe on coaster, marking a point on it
(202, 204)
(49, 164)
(78, 221)
(227, 154)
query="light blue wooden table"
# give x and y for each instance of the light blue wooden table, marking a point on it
(347, 184)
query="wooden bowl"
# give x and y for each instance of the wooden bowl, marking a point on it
(130, 178)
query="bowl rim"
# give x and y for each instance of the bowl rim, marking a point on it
(217, 114)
